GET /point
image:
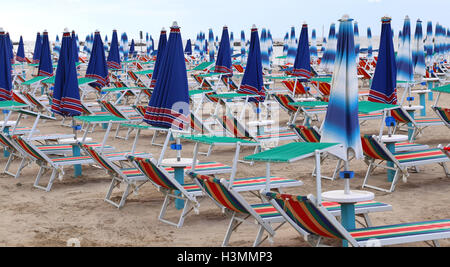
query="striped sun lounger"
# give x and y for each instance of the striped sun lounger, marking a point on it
(375, 151)
(310, 219)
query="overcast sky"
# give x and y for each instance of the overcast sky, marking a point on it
(26, 17)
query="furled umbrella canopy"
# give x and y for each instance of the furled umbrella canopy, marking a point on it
(169, 104)
(384, 83)
(302, 64)
(404, 56)
(341, 123)
(188, 49)
(97, 68)
(159, 58)
(37, 49)
(132, 48)
(66, 94)
(75, 47)
(5, 69)
(57, 47)
(252, 82)
(292, 49)
(223, 63)
(45, 63)
(113, 60)
(418, 51)
(20, 55)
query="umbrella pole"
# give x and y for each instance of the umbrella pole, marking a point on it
(318, 179)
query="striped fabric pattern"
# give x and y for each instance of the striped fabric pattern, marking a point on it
(234, 127)
(98, 158)
(400, 230)
(400, 116)
(308, 134)
(112, 109)
(422, 155)
(372, 149)
(261, 181)
(206, 85)
(152, 172)
(266, 211)
(27, 148)
(444, 114)
(280, 135)
(306, 215)
(299, 88)
(220, 194)
(284, 101)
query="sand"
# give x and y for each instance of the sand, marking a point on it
(75, 207)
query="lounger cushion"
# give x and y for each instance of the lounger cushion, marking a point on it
(401, 230)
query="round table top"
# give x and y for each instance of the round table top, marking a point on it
(408, 108)
(420, 91)
(355, 196)
(261, 123)
(184, 162)
(394, 138)
(8, 123)
(68, 141)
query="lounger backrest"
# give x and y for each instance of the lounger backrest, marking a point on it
(112, 109)
(197, 125)
(155, 174)
(239, 68)
(136, 79)
(140, 110)
(4, 140)
(364, 73)
(232, 125)
(307, 134)
(31, 149)
(101, 160)
(401, 116)
(299, 89)
(228, 81)
(444, 114)
(309, 217)
(206, 85)
(284, 101)
(219, 193)
(210, 98)
(34, 101)
(373, 149)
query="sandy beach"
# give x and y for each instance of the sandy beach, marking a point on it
(75, 207)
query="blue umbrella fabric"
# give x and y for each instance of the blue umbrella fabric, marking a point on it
(357, 45)
(252, 82)
(113, 60)
(159, 58)
(223, 63)
(57, 47)
(97, 68)
(243, 48)
(20, 55)
(369, 47)
(75, 47)
(404, 56)
(169, 104)
(66, 95)
(286, 45)
(313, 48)
(302, 64)
(188, 49)
(384, 83)
(105, 44)
(10, 48)
(429, 44)
(341, 123)
(211, 46)
(292, 49)
(45, 62)
(265, 50)
(132, 48)
(418, 52)
(37, 48)
(330, 52)
(124, 44)
(5, 69)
